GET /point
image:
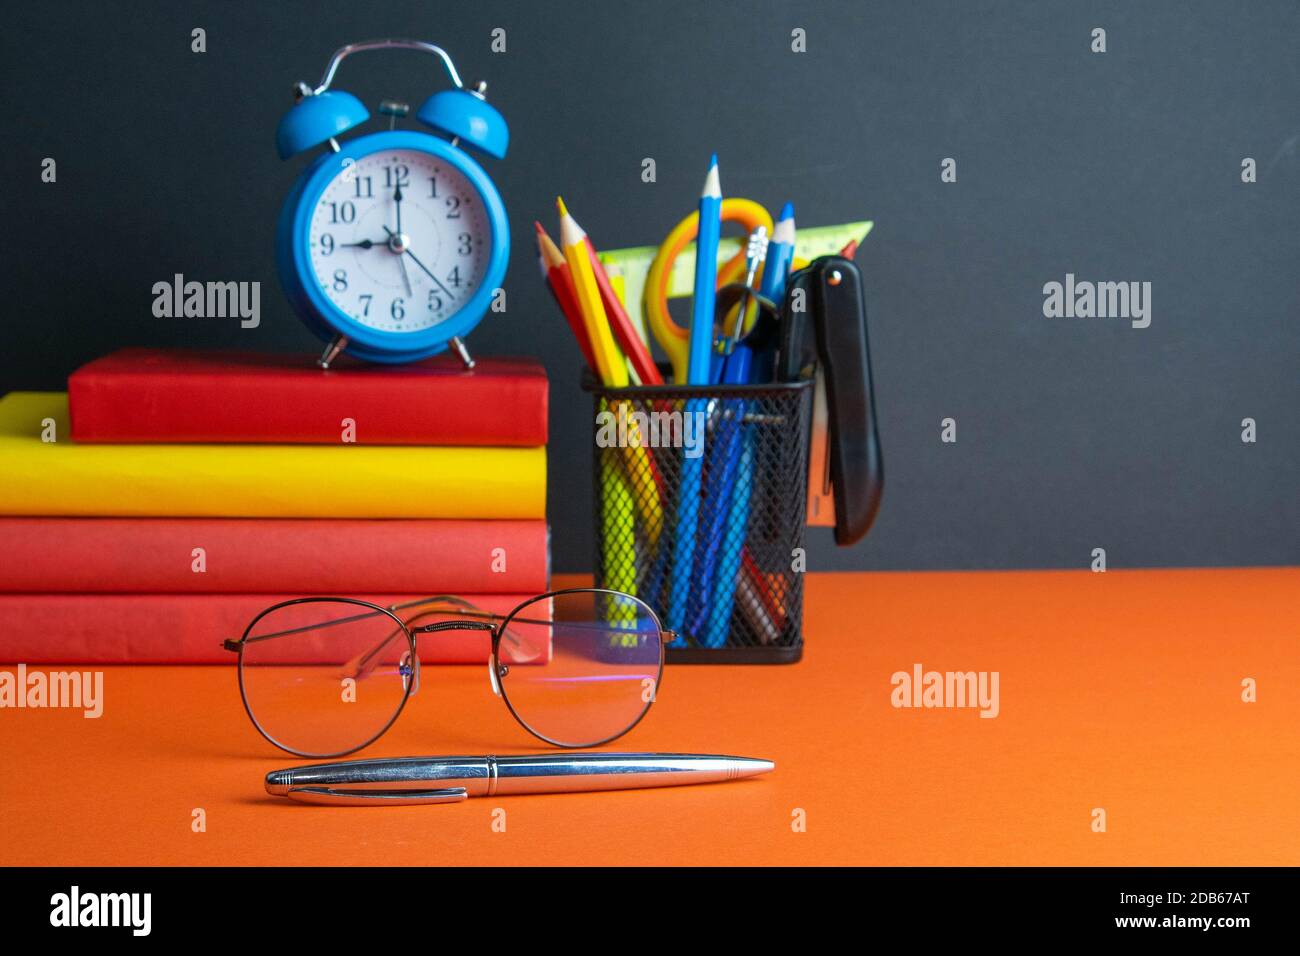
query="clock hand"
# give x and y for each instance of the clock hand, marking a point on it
(364, 243)
(447, 292)
(397, 205)
(406, 279)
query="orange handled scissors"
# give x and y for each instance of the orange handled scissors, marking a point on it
(673, 338)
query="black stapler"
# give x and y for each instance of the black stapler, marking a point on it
(824, 334)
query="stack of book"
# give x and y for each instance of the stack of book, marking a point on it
(156, 507)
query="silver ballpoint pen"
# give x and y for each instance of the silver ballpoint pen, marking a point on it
(410, 780)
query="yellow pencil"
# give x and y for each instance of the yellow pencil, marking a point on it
(611, 366)
(612, 369)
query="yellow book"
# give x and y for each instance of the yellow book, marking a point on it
(60, 477)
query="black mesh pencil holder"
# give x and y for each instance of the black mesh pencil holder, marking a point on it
(700, 498)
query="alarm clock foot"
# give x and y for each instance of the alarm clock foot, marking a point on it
(463, 352)
(332, 351)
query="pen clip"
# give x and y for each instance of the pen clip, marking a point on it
(342, 797)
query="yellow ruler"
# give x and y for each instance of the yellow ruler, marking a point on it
(628, 267)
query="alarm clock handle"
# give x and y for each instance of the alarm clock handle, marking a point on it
(387, 44)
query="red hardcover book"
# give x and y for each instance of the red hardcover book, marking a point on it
(187, 628)
(272, 555)
(177, 395)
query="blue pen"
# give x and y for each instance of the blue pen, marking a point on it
(718, 624)
(780, 256)
(780, 259)
(697, 373)
(727, 508)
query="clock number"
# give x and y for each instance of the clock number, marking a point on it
(453, 207)
(453, 277)
(365, 298)
(398, 175)
(340, 280)
(435, 303)
(326, 243)
(365, 187)
(466, 244)
(433, 187)
(342, 212)
(397, 310)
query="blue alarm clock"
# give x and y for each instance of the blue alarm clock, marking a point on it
(392, 245)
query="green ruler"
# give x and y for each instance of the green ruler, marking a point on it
(628, 267)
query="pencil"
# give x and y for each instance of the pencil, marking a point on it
(612, 370)
(698, 362)
(706, 278)
(556, 272)
(573, 241)
(628, 338)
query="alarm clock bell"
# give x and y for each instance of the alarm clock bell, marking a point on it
(468, 117)
(317, 118)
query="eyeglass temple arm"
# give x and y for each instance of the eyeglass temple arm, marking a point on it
(572, 625)
(465, 610)
(524, 649)
(231, 644)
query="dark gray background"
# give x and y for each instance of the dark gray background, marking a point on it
(1072, 434)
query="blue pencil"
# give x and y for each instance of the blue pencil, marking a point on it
(697, 373)
(722, 532)
(706, 278)
(780, 256)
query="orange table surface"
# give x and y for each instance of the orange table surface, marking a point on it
(1120, 691)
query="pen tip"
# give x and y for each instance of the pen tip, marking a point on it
(713, 160)
(559, 204)
(277, 782)
(537, 227)
(787, 212)
(752, 766)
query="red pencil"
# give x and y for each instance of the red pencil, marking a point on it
(624, 331)
(558, 280)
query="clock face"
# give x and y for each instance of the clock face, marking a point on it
(399, 240)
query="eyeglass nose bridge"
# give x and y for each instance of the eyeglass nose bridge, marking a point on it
(445, 626)
(453, 626)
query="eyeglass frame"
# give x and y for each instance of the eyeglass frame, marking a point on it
(411, 685)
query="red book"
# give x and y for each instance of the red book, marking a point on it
(186, 628)
(272, 555)
(177, 395)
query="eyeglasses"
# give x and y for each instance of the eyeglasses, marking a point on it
(326, 676)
